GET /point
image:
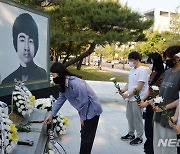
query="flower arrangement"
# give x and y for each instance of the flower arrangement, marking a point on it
(115, 84)
(8, 132)
(45, 103)
(22, 100)
(60, 124)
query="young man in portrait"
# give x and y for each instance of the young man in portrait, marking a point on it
(26, 44)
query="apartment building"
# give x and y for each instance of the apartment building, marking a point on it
(162, 19)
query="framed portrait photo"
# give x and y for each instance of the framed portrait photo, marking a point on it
(24, 46)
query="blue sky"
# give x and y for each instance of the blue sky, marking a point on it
(145, 5)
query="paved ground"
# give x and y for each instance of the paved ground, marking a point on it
(112, 125)
(118, 69)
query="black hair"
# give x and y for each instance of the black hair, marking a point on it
(157, 66)
(157, 62)
(62, 73)
(134, 55)
(24, 23)
(171, 51)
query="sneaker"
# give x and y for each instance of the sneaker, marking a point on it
(136, 141)
(128, 137)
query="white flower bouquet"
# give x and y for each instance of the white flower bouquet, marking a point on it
(8, 133)
(45, 103)
(60, 124)
(22, 102)
(30, 99)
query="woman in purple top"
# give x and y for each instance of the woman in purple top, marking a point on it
(82, 98)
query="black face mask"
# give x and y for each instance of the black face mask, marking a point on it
(170, 63)
(56, 80)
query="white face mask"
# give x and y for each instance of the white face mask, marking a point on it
(131, 64)
(150, 66)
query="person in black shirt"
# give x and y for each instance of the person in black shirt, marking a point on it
(26, 43)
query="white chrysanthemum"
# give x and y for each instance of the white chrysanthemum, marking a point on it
(15, 98)
(54, 120)
(13, 144)
(61, 132)
(17, 104)
(112, 79)
(22, 106)
(23, 113)
(19, 96)
(6, 142)
(5, 133)
(9, 135)
(21, 101)
(9, 149)
(14, 93)
(60, 116)
(19, 110)
(63, 127)
(156, 88)
(61, 124)
(58, 128)
(158, 100)
(8, 121)
(7, 127)
(3, 115)
(58, 119)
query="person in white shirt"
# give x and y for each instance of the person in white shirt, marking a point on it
(138, 79)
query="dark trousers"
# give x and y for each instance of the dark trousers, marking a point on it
(88, 132)
(148, 145)
(178, 148)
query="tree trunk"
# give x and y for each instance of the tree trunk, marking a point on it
(89, 63)
(83, 55)
(100, 62)
(79, 64)
(68, 52)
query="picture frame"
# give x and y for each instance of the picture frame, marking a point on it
(21, 25)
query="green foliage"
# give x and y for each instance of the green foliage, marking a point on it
(90, 73)
(75, 24)
(156, 42)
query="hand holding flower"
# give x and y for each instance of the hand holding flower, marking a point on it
(174, 119)
(125, 95)
(158, 109)
(143, 104)
(137, 95)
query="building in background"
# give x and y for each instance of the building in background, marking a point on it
(162, 19)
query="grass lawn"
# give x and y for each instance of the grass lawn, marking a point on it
(91, 73)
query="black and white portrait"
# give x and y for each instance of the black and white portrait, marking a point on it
(23, 45)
